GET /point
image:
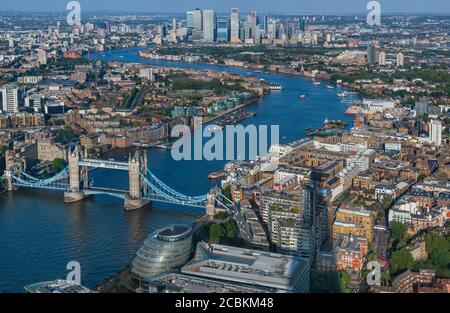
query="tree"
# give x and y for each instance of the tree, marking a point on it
(231, 229)
(421, 177)
(65, 135)
(438, 251)
(344, 281)
(58, 165)
(436, 242)
(3, 150)
(216, 231)
(398, 231)
(401, 260)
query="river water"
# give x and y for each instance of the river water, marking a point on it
(40, 234)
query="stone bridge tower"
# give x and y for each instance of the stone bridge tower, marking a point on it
(8, 170)
(76, 175)
(137, 164)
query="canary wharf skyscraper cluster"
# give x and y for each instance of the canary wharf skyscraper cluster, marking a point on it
(206, 26)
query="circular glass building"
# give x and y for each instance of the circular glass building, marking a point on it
(162, 251)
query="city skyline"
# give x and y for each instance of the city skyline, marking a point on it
(227, 148)
(321, 7)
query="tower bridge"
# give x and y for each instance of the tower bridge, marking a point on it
(144, 186)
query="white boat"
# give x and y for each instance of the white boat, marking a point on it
(275, 87)
(316, 83)
(342, 94)
(330, 87)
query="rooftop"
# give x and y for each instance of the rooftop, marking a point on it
(245, 266)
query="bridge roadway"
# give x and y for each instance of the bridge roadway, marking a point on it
(93, 163)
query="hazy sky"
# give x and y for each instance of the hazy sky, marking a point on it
(263, 6)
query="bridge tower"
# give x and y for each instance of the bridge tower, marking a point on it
(211, 202)
(136, 164)
(74, 193)
(8, 171)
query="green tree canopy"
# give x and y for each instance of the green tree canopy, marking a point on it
(58, 165)
(216, 231)
(232, 230)
(401, 260)
(3, 149)
(398, 231)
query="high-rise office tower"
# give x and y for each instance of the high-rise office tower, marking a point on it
(265, 24)
(253, 25)
(209, 25)
(174, 25)
(223, 29)
(190, 19)
(436, 132)
(371, 54)
(10, 97)
(235, 26)
(272, 29)
(302, 24)
(400, 59)
(246, 30)
(197, 17)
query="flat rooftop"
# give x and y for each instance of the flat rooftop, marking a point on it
(175, 283)
(246, 266)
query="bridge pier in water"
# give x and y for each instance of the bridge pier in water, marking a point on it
(144, 186)
(79, 181)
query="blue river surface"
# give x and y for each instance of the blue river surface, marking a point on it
(40, 234)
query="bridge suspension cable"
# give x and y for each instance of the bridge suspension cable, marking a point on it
(158, 184)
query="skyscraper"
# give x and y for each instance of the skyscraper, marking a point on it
(265, 24)
(302, 25)
(371, 54)
(235, 27)
(209, 25)
(190, 19)
(436, 132)
(223, 29)
(197, 20)
(308, 221)
(253, 25)
(10, 97)
(174, 25)
(272, 29)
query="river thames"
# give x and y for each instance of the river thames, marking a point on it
(40, 234)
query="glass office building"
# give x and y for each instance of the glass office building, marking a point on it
(223, 29)
(162, 251)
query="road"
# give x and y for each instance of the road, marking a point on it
(380, 241)
(243, 227)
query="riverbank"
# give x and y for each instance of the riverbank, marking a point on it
(97, 232)
(280, 69)
(228, 112)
